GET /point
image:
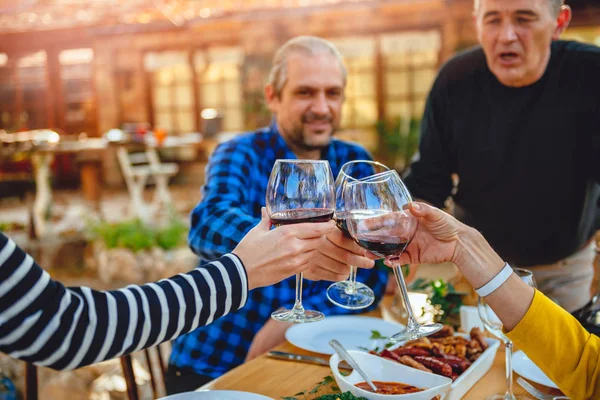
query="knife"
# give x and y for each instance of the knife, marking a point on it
(281, 355)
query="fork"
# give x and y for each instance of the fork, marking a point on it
(536, 393)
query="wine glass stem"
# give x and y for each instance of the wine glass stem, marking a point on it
(351, 288)
(298, 309)
(412, 322)
(509, 382)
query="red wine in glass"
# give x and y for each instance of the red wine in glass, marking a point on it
(299, 191)
(340, 222)
(301, 215)
(383, 246)
(378, 221)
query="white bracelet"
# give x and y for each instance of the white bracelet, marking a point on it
(496, 281)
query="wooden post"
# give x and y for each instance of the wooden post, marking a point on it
(31, 384)
(127, 365)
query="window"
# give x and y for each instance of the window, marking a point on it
(410, 61)
(589, 34)
(172, 87)
(31, 81)
(8, 98)
(218, 71)
(360, 106)
(76, 70)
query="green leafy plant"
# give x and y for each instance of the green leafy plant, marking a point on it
(328, 383)
(172, 235)
(399, 139)
(136, 235)
(11, 226)
(376, 335)
(444, 297)
(341, 396)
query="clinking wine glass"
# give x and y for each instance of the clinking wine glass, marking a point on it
(379, 222)
(493, 324)
(300, 191)
(350, 294)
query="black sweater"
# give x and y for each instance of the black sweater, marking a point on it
(528, 158)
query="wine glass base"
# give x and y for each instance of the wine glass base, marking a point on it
(285, 315)
(505, 397)
(416, 332)
(341, 295)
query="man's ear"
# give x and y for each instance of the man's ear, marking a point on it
(562, 22)
(271, 98)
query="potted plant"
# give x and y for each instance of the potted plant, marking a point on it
(134, 251)
(399, 141)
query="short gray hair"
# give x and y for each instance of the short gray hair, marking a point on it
(555, 5)
(309, 45)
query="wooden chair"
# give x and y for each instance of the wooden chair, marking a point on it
(138, 169)
(31, 384)
(129, 375)
(31, 376)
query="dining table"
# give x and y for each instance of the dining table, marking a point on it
(281, 378)
(89, 150)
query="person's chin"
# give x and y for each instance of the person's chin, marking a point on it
(510, 77)
(318, 138)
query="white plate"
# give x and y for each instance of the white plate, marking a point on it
(523, 366)
(216, 395)
(353, 332)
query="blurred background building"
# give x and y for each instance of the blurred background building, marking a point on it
(93, 65)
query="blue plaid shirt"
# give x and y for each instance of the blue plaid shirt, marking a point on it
(236, 183)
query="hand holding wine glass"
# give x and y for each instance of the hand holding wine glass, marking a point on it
(378, 220)
(300, 191)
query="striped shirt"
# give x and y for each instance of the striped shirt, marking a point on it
(45, 323)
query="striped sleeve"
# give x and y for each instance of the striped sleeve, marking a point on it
(48, 324)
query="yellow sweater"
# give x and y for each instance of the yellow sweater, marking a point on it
(557, 343)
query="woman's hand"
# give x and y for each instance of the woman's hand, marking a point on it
(271, 255)
(435, 240)
(441, 238)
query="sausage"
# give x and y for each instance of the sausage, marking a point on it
(411, 351)
(436, 365)
(458, 364)
(408, 361)
(390, 355)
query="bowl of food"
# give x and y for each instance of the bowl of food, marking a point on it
(396, 380)
(458, 356)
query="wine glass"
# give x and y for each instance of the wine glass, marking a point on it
(493, 324)
(300, 191)
(379, 222)
(350, 294)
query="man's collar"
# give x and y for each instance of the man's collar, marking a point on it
(278, 148)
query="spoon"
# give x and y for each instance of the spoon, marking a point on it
(344, 355)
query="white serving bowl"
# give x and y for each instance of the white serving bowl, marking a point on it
(380, 369)
(474, 373)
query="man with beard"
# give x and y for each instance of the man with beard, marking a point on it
(305, 92)
(517, 120)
